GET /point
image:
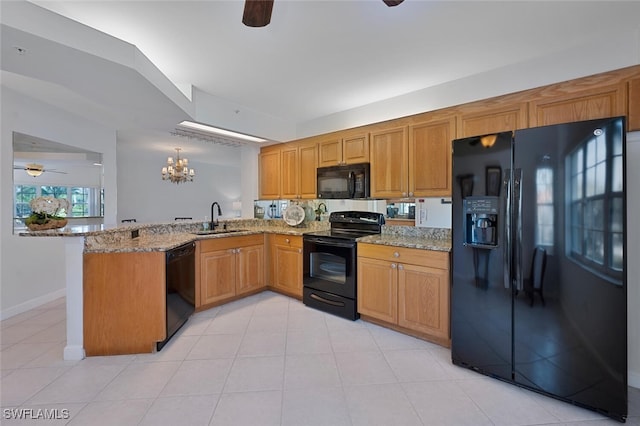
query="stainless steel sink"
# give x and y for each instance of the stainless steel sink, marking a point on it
(218, 231)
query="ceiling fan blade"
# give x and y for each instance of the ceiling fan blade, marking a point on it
(257, 13)
(392, 3)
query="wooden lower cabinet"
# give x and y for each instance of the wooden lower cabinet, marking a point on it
(378, 289)
(124, 302)
(407, 289)
(423, 300)
(228, 267)
(285, 264)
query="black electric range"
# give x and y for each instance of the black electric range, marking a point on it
(330, 262)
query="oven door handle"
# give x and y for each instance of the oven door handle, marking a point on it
(327, 243)
(327, 301)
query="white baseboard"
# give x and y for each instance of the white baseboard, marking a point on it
(73, 353)
(31, 304)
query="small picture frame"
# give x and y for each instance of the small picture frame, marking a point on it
(493, 180)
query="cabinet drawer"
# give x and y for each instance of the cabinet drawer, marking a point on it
(434, 259)
(286, 240)
(214, 244)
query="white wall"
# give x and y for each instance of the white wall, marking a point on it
(143, 195)
(32, 269)
(620, 49)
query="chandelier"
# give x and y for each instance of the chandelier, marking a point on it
(178, 171)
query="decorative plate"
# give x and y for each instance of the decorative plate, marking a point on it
(293, 215)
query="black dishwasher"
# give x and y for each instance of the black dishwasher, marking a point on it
(181, 287)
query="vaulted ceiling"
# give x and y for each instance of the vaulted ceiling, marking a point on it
(322, 57)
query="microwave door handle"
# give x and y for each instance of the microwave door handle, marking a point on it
(352, 184)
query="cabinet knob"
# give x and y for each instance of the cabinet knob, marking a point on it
(396, 254)
(287, 240)
(393, 266)
(238, 250)
(299, 250)
(400, 266)
(410, 194)
(404, 194)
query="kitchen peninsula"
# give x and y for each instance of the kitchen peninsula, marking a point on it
(82, 243)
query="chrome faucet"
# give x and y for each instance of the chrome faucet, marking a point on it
(214, 223)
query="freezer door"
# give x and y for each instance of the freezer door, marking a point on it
(570, 311)
(481, 313)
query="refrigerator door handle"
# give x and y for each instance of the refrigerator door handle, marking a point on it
(506, 214)
(517, 229)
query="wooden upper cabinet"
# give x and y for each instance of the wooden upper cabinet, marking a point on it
(389, 163)
(598, 102)
(430, 158)
(482, 119)
(308, 163)
(355, 149)
(289, 172)
(339, 151)
(330, 152)
(269, 171)
(298, 170)
(633, 122)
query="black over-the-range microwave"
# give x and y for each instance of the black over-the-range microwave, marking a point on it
(349, 181)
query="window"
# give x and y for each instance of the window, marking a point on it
(596, 203)
(23, 195)
(544, 207)
(85, 201)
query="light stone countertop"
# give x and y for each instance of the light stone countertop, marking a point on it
(408, 241)
(167, 236)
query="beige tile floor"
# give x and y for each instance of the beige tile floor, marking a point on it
(263, 360)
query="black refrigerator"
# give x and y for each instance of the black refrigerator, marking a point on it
(539, 284)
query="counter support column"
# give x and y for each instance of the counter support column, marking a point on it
(74, 249)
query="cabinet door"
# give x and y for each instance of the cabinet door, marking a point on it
(285, 263)
(289, 172)
(378, 289)
(270, 174)
(423, 298)
(430, 158)
(330, 152)
(217, 275)
(389, 163)
(355, 149)
(601, 102)
(483, 119)
(250, 269)
(308, 160)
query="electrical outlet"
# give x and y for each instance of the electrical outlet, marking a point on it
(135, 233)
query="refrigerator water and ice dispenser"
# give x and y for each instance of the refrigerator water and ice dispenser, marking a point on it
(481, 221)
